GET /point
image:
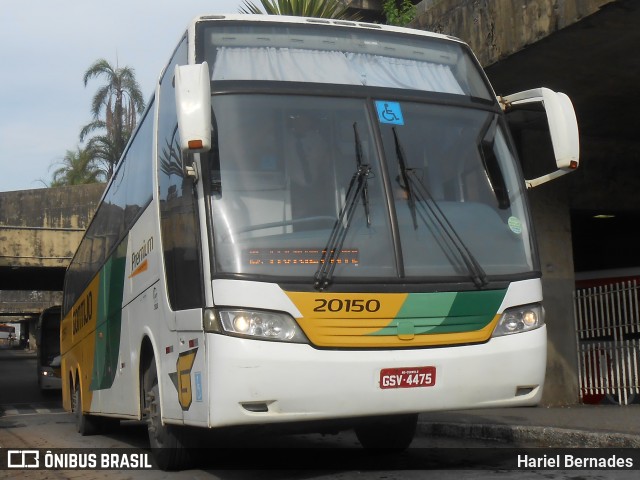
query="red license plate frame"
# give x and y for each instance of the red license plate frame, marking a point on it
(407, 377)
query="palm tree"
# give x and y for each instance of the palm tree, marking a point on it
(105, 153)
(115, 108)
(77, 168)
(301, 8)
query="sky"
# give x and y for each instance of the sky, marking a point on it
(45, 48)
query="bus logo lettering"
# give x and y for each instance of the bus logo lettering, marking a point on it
(139, 262)
(82, 313)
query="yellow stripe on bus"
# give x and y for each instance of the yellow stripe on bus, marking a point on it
(78, 341)
(362, 320)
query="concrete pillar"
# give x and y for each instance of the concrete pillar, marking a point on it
(550, 208)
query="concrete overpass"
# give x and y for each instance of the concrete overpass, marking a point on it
(39, 233)
(585, 48)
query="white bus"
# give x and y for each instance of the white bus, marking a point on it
(315, 221)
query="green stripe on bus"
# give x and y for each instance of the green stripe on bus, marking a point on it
(109, 323)
(446, 312)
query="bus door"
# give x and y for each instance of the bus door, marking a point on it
(181, 248)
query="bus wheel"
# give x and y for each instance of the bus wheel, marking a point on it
(85, 424)
(393, 433)
(168, 442)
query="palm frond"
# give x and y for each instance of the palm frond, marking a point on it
(114, 107)
(301, 8)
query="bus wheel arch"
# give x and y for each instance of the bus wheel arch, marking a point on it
(145, 358)
(168, 442)
(70, 389)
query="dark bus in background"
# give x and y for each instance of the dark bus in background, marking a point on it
(7, 334)
(48, 348)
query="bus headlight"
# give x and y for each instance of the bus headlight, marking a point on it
(520, 319)
(261, 325)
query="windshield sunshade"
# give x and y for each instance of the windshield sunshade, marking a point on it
(296, 65)
(343, 56)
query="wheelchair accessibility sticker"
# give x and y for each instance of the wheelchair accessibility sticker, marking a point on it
(389, 112)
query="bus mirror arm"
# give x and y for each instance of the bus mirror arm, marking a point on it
(191, 171)
(563, 127)
(193, 107)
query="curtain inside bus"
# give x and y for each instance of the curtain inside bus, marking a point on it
(323, 66)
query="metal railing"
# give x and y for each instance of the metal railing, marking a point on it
(607, 320)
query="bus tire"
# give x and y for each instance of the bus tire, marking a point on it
(168, 442)
(394, 433)
(85, 424)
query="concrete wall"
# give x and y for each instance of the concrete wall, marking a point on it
(496, 29)
(610, 167)
(18, 303)
(43, 227)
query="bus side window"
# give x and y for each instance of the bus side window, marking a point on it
(180, 234)
(178, 214)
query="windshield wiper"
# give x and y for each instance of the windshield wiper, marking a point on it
(357, 188)
(416, 189)
(486, 143)
(365, 187)
(406, 182)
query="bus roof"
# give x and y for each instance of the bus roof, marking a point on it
(52, 310)
(320, 21)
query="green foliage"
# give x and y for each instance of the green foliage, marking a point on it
(300, 8)
(106, 152)
(77, 168)
(399, 15)
(115, 108)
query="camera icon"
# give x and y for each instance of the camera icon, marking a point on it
(23, 459)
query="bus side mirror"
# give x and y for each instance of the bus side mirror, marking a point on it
(193, 107)
(561, 121)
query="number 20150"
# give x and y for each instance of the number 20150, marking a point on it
(346, 305)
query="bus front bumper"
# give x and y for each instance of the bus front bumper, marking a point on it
(261, 382)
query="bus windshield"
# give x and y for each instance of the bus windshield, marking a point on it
(442, 191)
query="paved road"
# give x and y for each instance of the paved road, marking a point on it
(29, 420)
(19, 392)
(300, 457)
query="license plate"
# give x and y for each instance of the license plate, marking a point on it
(411, 377)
